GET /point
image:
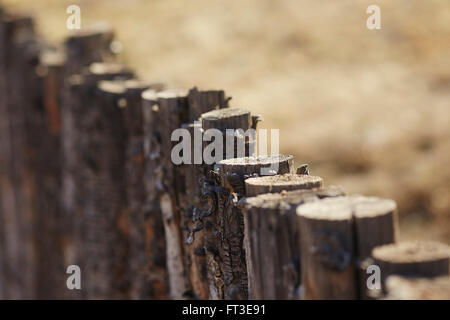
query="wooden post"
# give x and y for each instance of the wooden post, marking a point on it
(412, 259)
(271, 236)
(21, 106)
(195, 259)
(278, 183)
(331, 242)
(143, 284)
(196, 237)
(204, 101)
(93, 165)
(89, 45)
(401, 288)
(224, 226)
(170, 112)
(51, 280)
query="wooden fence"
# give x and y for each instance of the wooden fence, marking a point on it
(87, 179)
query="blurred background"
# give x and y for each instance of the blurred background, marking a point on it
(367, 109)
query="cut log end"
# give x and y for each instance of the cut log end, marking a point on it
(359, 207)
(401, 288)
(412, 252)
(100, 68)
(226, 118)
(288, 198)
(278, 183)
(100, 29)
(172, 93)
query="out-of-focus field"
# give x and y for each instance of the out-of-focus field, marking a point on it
(368, 110)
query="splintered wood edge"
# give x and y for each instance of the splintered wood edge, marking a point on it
(259, 160)
(288, 181)
(216, 115)
(359, 207)
(411, 252)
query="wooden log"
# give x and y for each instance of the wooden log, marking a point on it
(21, 105)
(89, 45)
(278, 183)
(224, 226)
(51, 282)
(155, 236)
(92, 139)
(173, 112)
(195, 259)
(204, 101)
(143, 283)
(102, 235)
(401, 288)
(412, 259)
(379, 220)
(218, 119)
(271, 235)
(332, 242)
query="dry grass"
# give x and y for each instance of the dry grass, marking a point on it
(368, 110)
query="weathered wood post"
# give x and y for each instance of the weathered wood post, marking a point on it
(195, 259)
(51, 282)
(219, 120)
(89, 45)
(93, 154)
(412, 259)
(170, 111)
(271, 233)
(141, 235)
(20, 51)
(156, 268)
(334, 239)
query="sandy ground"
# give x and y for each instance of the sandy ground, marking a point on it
(368, 110)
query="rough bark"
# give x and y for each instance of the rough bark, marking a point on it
(221, 215)
(271, 241)
(412, 259)
(333, 243)
(142, 285)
